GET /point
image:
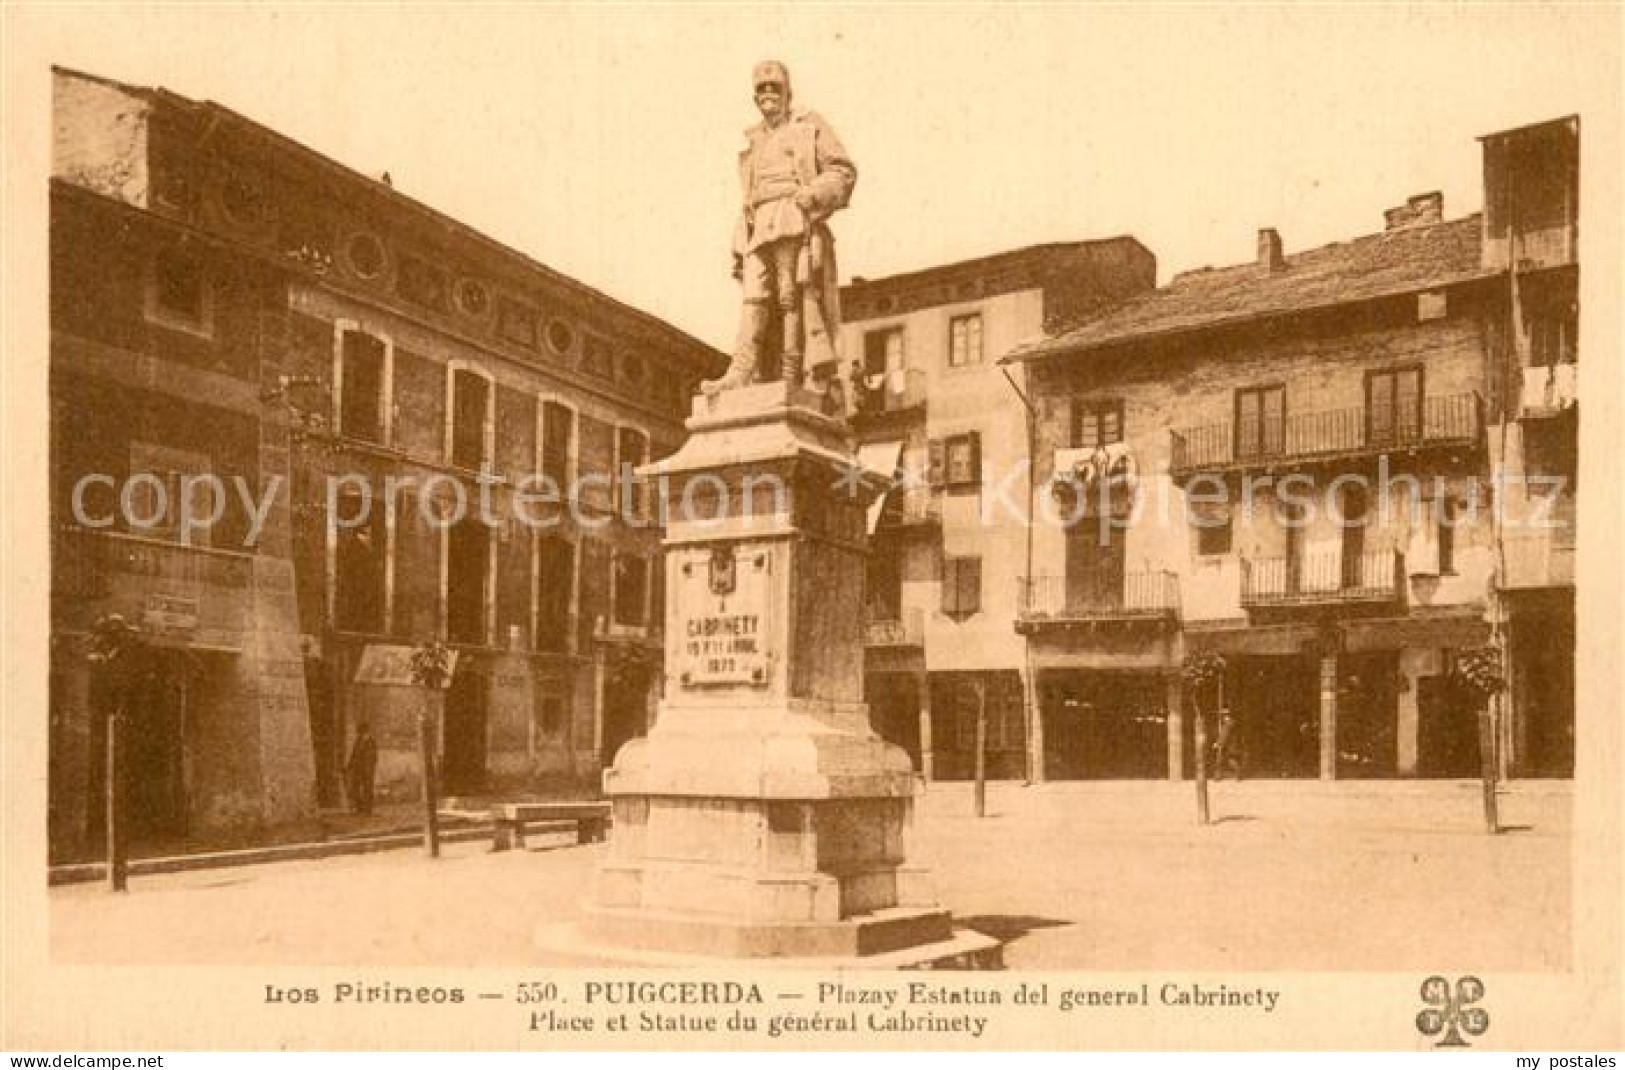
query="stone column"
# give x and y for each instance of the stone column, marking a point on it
(1035, 740)
(1328, 715)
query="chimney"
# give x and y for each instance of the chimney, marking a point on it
(1269, 250)
(1422, 210)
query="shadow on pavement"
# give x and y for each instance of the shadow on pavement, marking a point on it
(1007, 928)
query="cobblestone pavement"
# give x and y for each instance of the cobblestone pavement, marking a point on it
(1096, 876)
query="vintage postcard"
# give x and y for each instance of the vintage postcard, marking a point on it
(532, 527)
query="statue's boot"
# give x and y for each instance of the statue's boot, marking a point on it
(753, 324)
(740, 373)
(791, 365)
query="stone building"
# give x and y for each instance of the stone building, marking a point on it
(1334, 467)
(228, 302)
(949, 543)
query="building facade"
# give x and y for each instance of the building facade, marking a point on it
(948, 543)
(421, 434)
(1343, 470)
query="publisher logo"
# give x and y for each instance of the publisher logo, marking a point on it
(1452, 1011)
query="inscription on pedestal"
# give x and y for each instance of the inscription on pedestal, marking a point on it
(723, 636)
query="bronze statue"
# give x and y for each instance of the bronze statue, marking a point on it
(795, 174)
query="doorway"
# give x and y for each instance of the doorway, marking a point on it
(1275, 700)
(1447, 729)
(1094, 564)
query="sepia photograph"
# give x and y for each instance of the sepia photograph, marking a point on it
(775, 528)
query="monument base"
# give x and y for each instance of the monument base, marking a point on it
(762, 818)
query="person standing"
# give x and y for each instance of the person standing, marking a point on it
(360, 770)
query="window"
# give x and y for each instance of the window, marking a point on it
(362, 380)
(961, 586)
(1096, 423)
(359, 556)
(1214, 529)
(1446, 519)
(159, 495)
(592, 598)
(178, 292)
(366, 255)
(965, 340)
(883, 595)
(882, 351)
(631, 590)
(551, 712)
(961, 461)
(555, 586)
(1552, 336)
(561, 337)
(1260, 421)
(631, 492)
(468, 571)
(558, 445)
(1393, 405)
(469, 434)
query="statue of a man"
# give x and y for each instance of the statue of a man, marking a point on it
(796, 175)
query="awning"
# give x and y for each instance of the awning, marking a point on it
(883, 458)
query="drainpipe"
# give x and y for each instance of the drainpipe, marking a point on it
(1029, 696)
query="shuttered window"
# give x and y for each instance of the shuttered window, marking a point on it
(1260, 421)
(961, 586)
(1394, 405)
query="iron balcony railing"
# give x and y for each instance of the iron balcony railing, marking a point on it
(85, 564)
(894, 391)
(905, 629)
(1106, 596)
(1326, 577)
(1447, 419)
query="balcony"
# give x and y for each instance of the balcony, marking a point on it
(902, 390)
(907, 629)
(1133, 597)
(1321, 579)
(1447, 422)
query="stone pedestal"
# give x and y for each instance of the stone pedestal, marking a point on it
(762, 816)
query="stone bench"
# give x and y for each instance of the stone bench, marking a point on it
(509, 820)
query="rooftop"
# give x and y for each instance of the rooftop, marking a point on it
(1394, 262)
(991, 262)
(381, 186)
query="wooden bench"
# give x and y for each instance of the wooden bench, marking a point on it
(509, 820)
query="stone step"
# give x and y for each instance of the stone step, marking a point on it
(717, 936)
